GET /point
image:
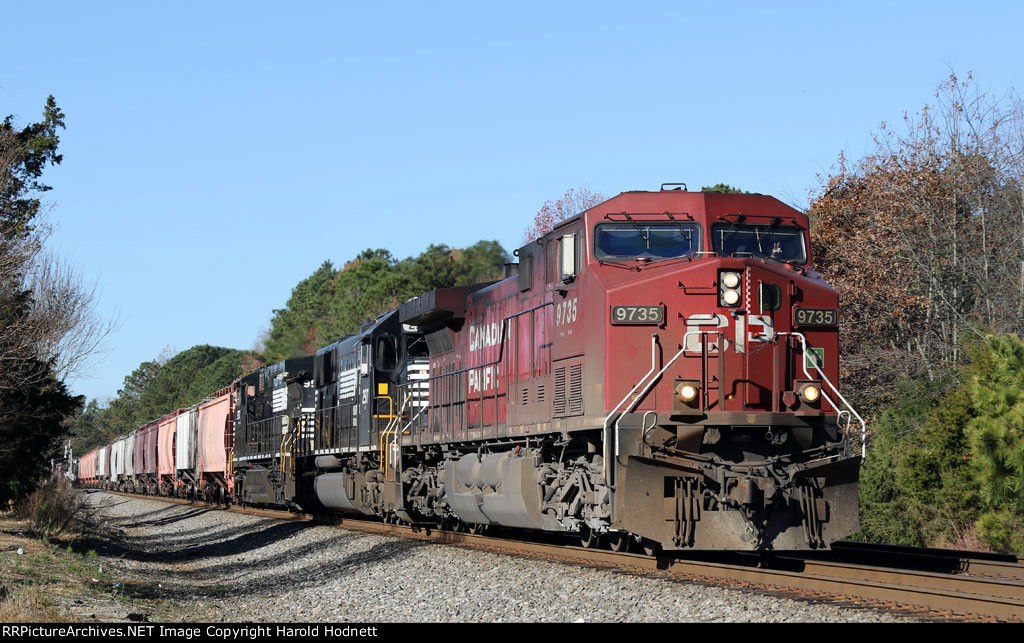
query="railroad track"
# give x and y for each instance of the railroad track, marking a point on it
(942, 583)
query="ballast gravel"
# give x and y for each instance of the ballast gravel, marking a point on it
(218, 566)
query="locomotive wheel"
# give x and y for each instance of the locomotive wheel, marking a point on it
(588, 537)
(223, 500)
(477, 529)
(619, 541)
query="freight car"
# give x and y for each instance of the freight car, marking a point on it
(657, 371)
(184, 454)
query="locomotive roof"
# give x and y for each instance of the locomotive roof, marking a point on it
(706, 205)
(365, 331)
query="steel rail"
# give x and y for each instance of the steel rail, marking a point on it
(925, 558)
(955, 594)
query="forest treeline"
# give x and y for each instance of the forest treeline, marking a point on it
(333, 302)
(157, 387)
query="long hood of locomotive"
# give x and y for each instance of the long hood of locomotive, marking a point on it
(744, 358)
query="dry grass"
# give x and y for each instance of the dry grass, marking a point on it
(965, 538)
(61, 579)
(28, 605)
(25, 595)
(53, 508)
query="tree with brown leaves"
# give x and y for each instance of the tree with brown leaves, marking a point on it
(551, 213)
(924, 237)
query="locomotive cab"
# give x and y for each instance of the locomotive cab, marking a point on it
(720, 355)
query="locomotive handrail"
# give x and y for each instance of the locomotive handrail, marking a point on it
(393, 422)
(835, 389)
(740, 216)
(627, 215)
(399, 430)
(610, 437)
(651, 383)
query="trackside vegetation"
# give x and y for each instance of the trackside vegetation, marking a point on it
(923, 238)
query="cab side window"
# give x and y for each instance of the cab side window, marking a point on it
(387, 355)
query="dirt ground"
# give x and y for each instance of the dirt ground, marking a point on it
(67, 580)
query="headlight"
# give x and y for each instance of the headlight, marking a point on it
(730, 279)
(810, 393)
(729, 284)
(687, 392)
(687, 395)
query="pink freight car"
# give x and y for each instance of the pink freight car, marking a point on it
(166, 479)
(215, 439)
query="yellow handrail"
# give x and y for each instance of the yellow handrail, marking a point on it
(390, 417)
(390, 429)
(286, 445)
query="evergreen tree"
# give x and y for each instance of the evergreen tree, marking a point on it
(33, 400)
(725, 188)
(330, 304)
(996, 438)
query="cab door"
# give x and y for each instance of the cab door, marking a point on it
(567, 345)
(365, 388)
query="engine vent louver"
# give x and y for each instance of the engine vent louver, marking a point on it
(576, 389)
(559, 401)
(568, 400)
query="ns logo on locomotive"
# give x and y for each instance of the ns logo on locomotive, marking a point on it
(658, 372)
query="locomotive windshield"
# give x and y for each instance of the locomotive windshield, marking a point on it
(619, 241)
(782, 243)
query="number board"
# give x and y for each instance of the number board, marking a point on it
(815, 316)
(638, 314)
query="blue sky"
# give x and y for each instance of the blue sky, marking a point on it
(217, 153)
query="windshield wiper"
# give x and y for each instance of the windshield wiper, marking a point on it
(679, 224)
(732, 227)
(638, 229)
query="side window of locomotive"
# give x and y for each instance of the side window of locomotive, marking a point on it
(416, 346)
(525, 271)
(624, 241)
(387, 356)
(567, 261)
(778, 242)
(769, 296)
(549, 261)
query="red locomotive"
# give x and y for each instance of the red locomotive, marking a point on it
(658, 370)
